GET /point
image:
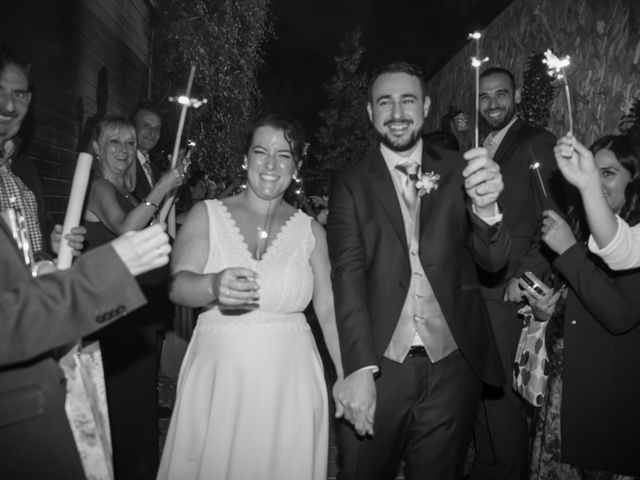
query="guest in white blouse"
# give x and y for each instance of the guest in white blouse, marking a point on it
(596, 173)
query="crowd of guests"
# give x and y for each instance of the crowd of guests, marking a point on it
(416, 282)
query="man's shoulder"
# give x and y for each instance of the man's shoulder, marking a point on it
(528, 131)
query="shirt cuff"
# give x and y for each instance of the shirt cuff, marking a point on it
(373, 368)
(493, 219)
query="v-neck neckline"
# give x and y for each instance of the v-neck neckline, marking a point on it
(243, 240)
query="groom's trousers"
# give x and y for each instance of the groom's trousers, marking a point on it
(424, 416)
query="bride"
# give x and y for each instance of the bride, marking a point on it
(252, 401)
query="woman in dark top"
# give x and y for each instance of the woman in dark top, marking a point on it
(128, 348)
(590, 425)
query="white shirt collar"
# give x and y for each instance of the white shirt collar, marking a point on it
(392, 158)
(494, 139)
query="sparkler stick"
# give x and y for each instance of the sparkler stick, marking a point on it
(185, 101)
(556, 69)
(476, 63)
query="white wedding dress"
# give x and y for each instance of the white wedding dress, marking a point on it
(251, 401)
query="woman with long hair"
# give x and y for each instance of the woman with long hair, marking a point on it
(588, 427)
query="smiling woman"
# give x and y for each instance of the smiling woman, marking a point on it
(252, 380)
(110, 203)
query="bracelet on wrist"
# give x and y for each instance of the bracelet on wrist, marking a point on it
(150, 204)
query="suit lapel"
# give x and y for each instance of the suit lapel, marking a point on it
(428, 201)
(382, 183)
(508, 139)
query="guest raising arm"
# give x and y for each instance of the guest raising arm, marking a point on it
(110, 199)
(611, 236)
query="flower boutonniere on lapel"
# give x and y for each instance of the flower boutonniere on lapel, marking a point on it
(426, 182)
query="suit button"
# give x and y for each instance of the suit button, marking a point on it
(573, 322)
(120, 310)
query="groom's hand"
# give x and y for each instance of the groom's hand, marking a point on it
(356, 400)
(482, 181)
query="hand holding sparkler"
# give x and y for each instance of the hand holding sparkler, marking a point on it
(576, 163)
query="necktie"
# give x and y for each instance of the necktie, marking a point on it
(409, 190)
(147, 168)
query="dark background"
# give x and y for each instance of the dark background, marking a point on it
(299, 58)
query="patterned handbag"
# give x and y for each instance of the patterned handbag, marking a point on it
(531, 364)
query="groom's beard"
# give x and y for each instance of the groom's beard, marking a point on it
(400, 145)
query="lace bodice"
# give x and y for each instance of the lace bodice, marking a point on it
(284, 272)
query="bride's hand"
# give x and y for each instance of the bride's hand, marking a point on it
(236, 286)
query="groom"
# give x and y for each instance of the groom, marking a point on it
(414, 332)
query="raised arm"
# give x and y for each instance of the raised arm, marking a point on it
(490, 241)
(103, 204)
(46, 312)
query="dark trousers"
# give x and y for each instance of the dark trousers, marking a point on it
(130, 366)
(501, 432)
(424, 416)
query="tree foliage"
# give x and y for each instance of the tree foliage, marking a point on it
(630, 122)
(223, 39)
(346, 135)
(537, 92)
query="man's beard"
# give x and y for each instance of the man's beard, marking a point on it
(396, 146)
(509, 114)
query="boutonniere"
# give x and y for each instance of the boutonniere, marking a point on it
(426, 182)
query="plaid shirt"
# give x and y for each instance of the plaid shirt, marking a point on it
(12, 186)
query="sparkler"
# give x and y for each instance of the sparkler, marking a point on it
(556, 69)
(186, 101)
(476, 62)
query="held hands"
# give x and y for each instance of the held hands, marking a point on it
(576, 163)
(75, 239)
(236, 286)
(482, 181)
(355, 398)
(144, 250)
(542, 304)
(556, 232)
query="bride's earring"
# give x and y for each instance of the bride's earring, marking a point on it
(298, 183)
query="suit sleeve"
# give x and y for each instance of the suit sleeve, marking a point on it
(43, 313)
(349, 280)
(490, 244)
(612, 300)
(540, 150)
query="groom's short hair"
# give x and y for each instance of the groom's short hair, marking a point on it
(398, 67)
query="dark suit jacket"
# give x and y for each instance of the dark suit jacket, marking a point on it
(370, 264)
(524, 202)
(600, 414)
(36, 317)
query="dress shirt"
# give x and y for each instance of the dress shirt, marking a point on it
(494, 139)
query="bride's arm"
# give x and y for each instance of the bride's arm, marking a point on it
(189, 286)
(323, 296)
(193, 288)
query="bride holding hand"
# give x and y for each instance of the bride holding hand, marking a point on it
(251, 400)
